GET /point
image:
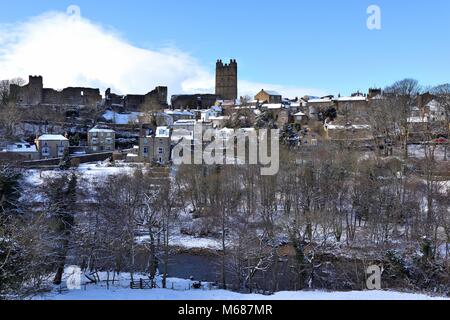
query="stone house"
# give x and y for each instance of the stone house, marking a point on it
(101, 139)
(51, 146)
(354, 107)
(156, 148)
(268, 97)
(21, 151)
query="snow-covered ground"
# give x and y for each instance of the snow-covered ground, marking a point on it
(181, 289)
(189, 242)
(121, 118)
(167, 294)
(418, 151)
(88, 171)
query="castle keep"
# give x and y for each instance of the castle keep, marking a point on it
(226, 80)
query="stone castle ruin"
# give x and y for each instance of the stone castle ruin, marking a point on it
(34, 94)
(154, 100)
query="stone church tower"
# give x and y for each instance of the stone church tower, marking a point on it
(226, 80)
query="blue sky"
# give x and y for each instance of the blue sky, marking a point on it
(306, 44)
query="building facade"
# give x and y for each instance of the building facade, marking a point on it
(101, 139)
(268, 97)
(156, 148)
(51, 146)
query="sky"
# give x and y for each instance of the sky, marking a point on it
(292, 46)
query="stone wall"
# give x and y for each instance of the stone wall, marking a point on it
(193, 101)
(72, 96)
(156, 100)
(29, 94)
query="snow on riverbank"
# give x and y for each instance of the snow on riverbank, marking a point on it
(117, 293)
(181, 289)
(189, 242)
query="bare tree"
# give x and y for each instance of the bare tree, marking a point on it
(403, 95)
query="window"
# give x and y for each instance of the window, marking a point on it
(108, 140)
(46, 151)
(145, 151)
(61, 150)
(160, 150)
(94, 140)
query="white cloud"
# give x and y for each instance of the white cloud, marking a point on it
(69, 50)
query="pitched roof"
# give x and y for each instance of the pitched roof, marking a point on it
(272, 93)
(52, 137)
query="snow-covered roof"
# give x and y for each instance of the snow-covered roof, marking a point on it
(299, 114)
(355, 98)
(100, 130)
(185, 122)
(320, 100)
(272, 93)
(273, 105)
(20, 147)
(52, 137)
(162, 132)
(179, 112)
(341, 127)
(219, 118)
